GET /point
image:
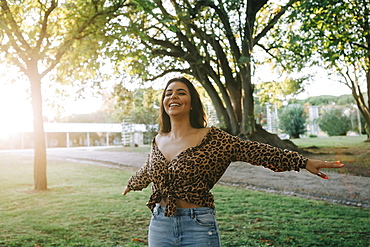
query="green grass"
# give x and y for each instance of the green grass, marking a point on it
(84, 207)
(351, 150)
(332, 141)
(259, 219)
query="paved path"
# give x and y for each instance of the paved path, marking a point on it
(339, 188)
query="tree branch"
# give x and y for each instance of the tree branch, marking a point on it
(80, 35)
(173, 70)
(222, 14)
(13, 24)
(14, 34)
(220, 54)
(272, 22)
(44, 24)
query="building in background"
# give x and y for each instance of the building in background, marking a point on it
(81, 135)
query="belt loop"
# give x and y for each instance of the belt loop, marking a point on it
(192, 213)
(156, 210)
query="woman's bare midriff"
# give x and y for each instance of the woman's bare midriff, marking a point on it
(179, 203)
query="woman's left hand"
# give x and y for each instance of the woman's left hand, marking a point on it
(314, 166)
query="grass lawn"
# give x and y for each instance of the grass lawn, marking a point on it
(84, 207)
(351, 150)
(332, 141)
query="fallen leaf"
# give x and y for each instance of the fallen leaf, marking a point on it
(138, 240)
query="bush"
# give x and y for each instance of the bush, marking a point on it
(292, 120)
(334, 122)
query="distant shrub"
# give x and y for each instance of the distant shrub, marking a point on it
(334, 122)
(292, 120)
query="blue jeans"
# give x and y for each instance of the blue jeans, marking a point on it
(192, 227)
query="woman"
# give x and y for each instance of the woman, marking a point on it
(187, 159)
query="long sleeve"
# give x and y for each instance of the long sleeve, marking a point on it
(141, 179)
(273, 158)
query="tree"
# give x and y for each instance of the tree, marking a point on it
(335, 34)
(278, 92)
(322, 100)
(212, 41)
(292, 120)
(334, 122)
(140, 105)
(40, 37)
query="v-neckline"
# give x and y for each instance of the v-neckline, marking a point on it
(205, 137)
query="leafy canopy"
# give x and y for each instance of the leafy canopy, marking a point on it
(68, 36)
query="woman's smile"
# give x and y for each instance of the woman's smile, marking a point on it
(177, 99)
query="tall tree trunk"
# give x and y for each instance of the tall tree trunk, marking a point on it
(363, 104)
(367, 118)
(248, 125)
(225, 113)
(40, 180)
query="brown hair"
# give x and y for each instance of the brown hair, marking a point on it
(197, 114)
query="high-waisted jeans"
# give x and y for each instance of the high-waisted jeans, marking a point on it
(192, 227)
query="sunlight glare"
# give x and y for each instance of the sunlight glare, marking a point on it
(15, 109)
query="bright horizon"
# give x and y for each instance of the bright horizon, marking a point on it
(16, 109)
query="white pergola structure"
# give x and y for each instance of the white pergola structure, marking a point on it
(87, 128)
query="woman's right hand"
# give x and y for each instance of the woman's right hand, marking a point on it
(127, 190)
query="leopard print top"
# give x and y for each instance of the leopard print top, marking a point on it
(192, 174)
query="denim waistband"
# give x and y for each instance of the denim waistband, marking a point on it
(185, 211)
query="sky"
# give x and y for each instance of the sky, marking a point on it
(16, 110)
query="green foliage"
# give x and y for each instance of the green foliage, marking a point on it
(334, 122)
(334, 30)
(211, 41)
(67, 36)
(95, 117)
(333, 34)
(282, 91)
(345, 100)
(141, 106)
(292, 120)
(322, 100)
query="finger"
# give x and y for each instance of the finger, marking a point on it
(331, 164)
(322, 175)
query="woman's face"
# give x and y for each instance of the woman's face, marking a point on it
(177, 100)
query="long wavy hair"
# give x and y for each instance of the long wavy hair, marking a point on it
(197, 114)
